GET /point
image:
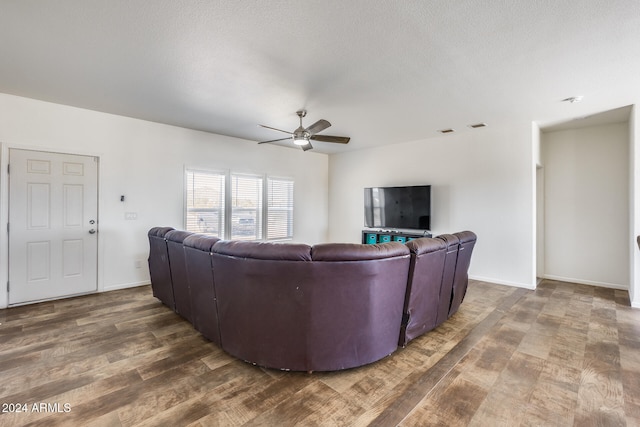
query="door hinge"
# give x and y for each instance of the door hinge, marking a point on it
(7, 227)
(8, 287)
(8, 168)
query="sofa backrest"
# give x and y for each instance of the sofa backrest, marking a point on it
(356, 252)
(467, 241)
(204, 313)
(326, 307)
(423, 287)
(159, 267)
(448, 275)
(264, 250)
(179, 279)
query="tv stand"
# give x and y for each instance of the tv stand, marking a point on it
(373, 236)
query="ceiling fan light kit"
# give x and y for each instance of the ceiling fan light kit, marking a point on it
(302, 137)
(300, 140)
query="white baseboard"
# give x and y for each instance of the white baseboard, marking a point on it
(502, 282)
(123, 286)
(586, 282)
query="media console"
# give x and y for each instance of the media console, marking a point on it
(373, 236)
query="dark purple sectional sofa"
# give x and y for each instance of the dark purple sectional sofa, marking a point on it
(298, 307)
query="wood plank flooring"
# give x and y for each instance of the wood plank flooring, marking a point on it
(563, 355)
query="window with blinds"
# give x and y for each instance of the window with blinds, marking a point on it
(246, 207)
(279, 208)
(205, 204)
(239, 206)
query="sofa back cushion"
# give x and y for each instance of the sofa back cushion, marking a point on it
(423, 287)
(159, 267)
(202, 242)
(357, 252)
(179, 272)
(264, 250)
(204, 311)
(467, 241)
(279, 308)
(446, 289)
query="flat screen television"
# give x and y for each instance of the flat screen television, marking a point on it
(398, 207)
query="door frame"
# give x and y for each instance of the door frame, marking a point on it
(4, 213)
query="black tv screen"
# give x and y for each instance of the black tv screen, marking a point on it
(398, 207)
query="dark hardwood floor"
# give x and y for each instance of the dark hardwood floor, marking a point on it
(562, 355)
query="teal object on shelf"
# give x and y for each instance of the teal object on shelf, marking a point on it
(383, 236)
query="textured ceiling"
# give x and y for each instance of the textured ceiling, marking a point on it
(381, 71)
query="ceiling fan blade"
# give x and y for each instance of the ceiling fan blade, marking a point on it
(274, 140)
(318, 126)
(306, 147)
(279, 130)
(329, 138)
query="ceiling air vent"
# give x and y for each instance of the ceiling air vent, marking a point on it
(477, 125)
(446, 130)
(574, 99)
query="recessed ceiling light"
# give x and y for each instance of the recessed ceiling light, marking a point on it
(446, 130)
(573, 99)
(477, 125)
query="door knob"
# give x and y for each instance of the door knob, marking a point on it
(92, 231)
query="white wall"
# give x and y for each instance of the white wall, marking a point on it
(586, 176)
(482, 180)
(634, 197)
(145, 162)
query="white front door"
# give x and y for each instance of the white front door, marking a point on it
(53, 224)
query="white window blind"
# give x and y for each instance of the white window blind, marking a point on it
(205, 204)
(246, 207)
(279, 208)
(238, 206)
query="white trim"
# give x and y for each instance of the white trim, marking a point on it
(19, 304)
(586, 282)
(124, 286)
(503, 282)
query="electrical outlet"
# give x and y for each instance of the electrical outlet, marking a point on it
(131, 215)
(138, 263)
